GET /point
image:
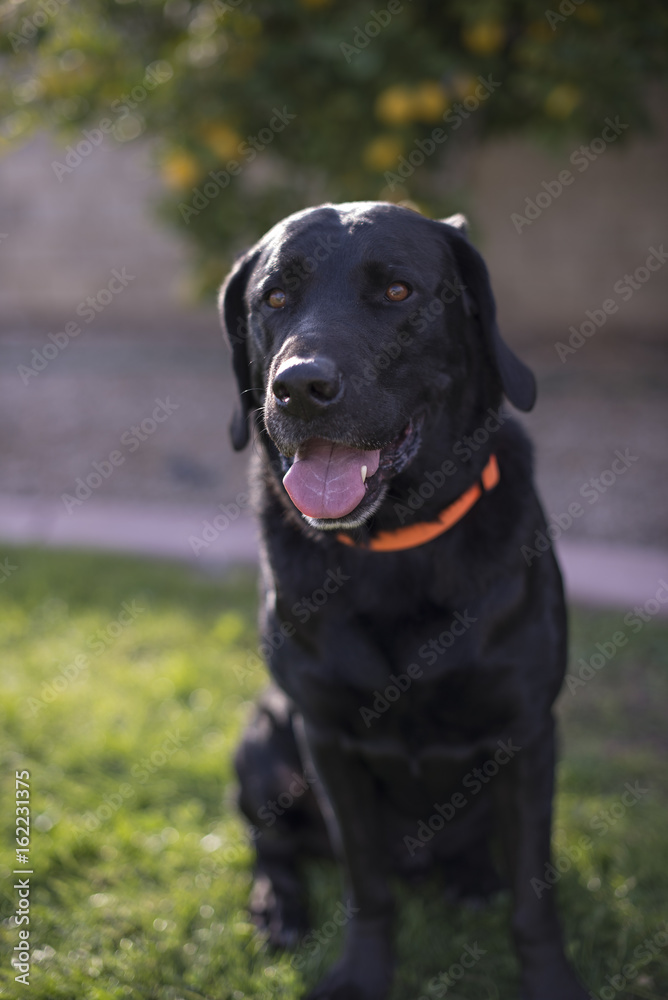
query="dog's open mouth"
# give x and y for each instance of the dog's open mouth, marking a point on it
(329, 481)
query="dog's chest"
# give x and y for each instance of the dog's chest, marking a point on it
(423, 741)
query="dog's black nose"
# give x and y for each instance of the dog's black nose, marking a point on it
(306, 386)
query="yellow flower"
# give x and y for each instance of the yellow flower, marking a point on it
(562, 100)
(484, 37)
(180, 170)
(222, 139)
(430, 100)
(395, 106)
(382, 153)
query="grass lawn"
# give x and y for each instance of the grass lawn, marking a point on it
(125, 685)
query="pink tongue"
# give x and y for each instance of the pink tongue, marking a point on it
(325, 479)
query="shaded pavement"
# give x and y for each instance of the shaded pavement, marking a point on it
(596, 573)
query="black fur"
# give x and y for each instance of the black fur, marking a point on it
(339, 621)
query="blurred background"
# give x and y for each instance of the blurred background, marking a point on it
(157, 139)
(143, 143)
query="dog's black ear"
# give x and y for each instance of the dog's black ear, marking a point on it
(517, 380)
(234, 318)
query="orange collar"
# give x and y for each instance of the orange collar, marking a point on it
(417, 534)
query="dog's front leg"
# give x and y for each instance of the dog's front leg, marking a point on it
(524, 790)
(365, 970)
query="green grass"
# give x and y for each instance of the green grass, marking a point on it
(141, 866)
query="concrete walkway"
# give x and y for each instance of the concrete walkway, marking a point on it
(599, 575)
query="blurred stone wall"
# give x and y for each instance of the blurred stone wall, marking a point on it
(61, 239)
(60, 243)
(64, 237)
(599, 228)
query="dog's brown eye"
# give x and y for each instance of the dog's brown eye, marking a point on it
(397, 291)
(277, 298)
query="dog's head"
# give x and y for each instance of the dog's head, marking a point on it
(356, 330)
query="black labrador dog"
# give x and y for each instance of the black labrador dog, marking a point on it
(416, 637)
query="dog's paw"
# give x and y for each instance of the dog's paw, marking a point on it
(282, 918)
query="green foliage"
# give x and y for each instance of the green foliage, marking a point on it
(141, 863)
(364, 84)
